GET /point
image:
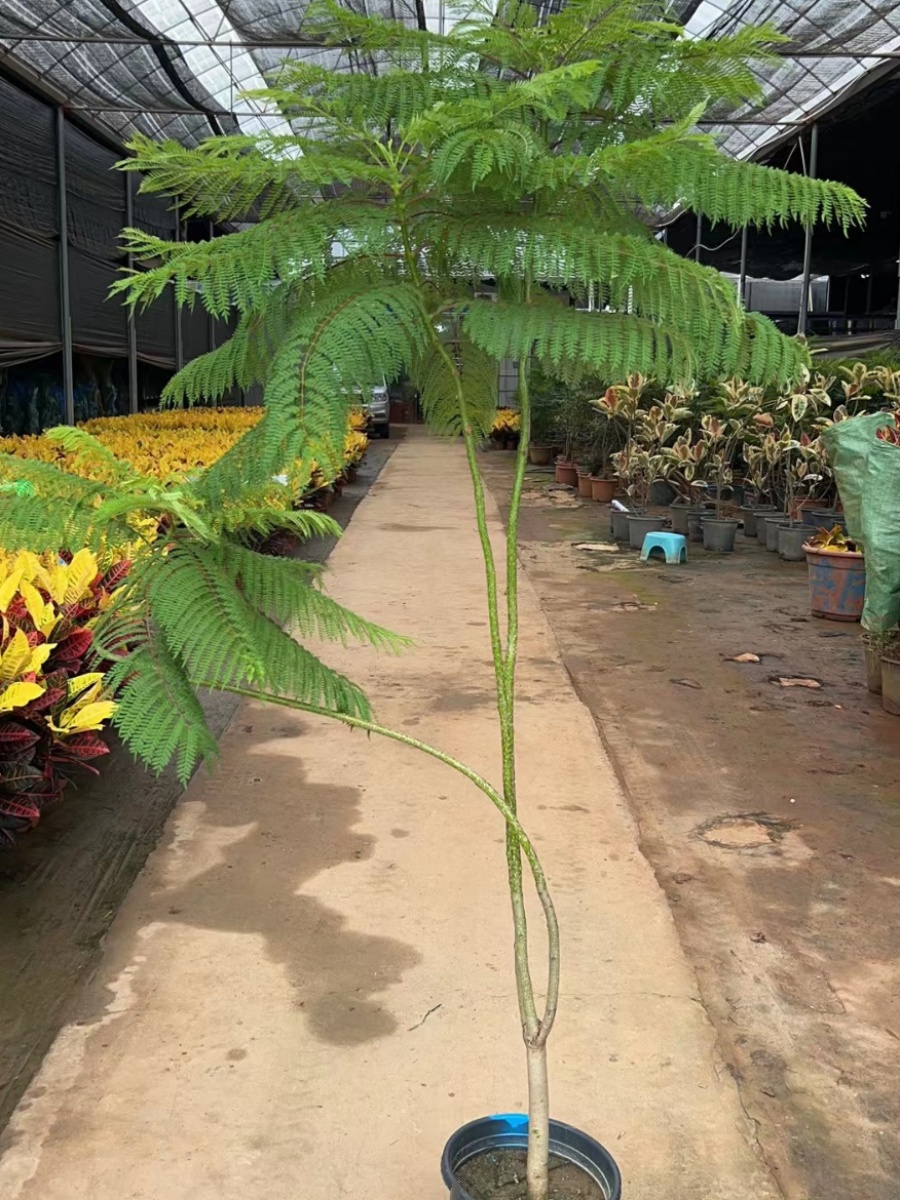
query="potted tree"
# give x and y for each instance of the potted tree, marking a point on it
(438, 173)
(795, 454)
(545, 406)
(722, 435)
(619, 406)
(608, 436)
(573, 416)
(837, 575)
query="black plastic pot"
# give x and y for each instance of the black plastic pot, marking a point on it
(719, 534)
(815, 518)
(791, 540)
(639, 527)
(510, 1131)
(619, 523)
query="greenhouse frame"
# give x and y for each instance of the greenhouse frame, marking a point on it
(78, 77)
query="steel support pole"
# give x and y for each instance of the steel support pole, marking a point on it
(212, 319)
(132, 326)
(803, 315)
(65, 305)
(179, 332)
(699, 237)
(897, 315)
(742, 283)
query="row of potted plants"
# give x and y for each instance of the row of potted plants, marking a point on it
(53, 706)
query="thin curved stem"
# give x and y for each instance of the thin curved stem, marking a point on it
(512, 821)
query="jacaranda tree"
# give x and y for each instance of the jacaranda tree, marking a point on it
(522, 153)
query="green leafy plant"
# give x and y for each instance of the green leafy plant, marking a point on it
(722, 435)
(546, 395)
(834, 540)
(507, 149)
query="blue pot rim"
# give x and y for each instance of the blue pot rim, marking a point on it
(511, 1129)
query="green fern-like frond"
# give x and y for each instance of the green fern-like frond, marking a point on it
(566, 341)
(284, 590)
(158, 713)
(90, 455)
(666, 171)
(352, 338)
(240, 362)
(445, 373)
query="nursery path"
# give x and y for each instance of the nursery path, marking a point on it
(310, 984)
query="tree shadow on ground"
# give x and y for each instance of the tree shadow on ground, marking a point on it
(296, 831)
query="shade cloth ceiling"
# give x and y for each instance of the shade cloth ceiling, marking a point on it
(177, 68)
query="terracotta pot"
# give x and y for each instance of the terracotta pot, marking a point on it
(566, 472)
(603, 489)
(539, 456)
(584, 484)
(800, 507)
(837, 583)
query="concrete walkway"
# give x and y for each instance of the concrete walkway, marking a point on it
(311, 984)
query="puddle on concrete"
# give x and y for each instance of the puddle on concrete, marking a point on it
(743, 831)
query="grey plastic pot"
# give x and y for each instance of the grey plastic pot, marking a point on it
(639, 527)
(753, 514)
(719, 534)
(619, 523)
(695, 519)
(510, 1131)
(815, 518)
(772, 526)
(678, 514)
(791, 540)
(872, 657)
(890, 686)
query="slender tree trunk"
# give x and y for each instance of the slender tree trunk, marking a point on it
(538, 1122)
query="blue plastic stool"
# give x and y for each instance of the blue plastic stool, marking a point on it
(673, 546)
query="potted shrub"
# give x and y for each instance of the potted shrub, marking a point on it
(877, 646)
(504, 432)
(609, 433)
(795, 452)
(837, 576)
(679, 464)
(890, 676)
(446, 191)
(758, 468)
(573, 422)
(53, 702)
(739, 400)
(545, 401)
(638, 463)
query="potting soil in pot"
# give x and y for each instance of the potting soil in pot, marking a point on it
(500, 1175)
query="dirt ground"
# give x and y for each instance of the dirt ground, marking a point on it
(771, 816)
